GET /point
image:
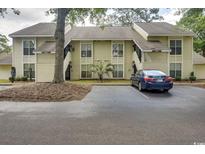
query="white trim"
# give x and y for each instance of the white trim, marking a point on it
(35, 45)
(30, 36)
(181, 55)
(171, 35)
(123, 63)
(92, 56)
(102, 39)
(168, 64)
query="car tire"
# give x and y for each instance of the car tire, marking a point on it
(166, 90)
(140, 86)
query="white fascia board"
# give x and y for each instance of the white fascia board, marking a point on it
(31, 35)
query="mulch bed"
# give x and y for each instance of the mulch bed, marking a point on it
(45, 92)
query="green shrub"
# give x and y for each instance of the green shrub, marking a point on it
(186, 79)
(24, 78)
(18, 79)
(192, 77)
(178, 78)
(11, 79)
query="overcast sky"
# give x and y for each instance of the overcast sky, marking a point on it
(29, 16)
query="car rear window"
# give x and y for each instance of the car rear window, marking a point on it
(154, 73)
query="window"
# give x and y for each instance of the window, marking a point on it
(118, 71)
(28, 47)
(29, 70)
(117, 50)
(86, 50)
(86, 71)
(175, 70)
(176, 47)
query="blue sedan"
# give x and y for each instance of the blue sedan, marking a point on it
(152, 80)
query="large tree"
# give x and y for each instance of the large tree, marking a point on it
(71, 16)
(128, 16)
(194, 20)
(4, 11)
(4, 46)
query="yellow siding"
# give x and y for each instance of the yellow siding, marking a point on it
(101, 51)
(156, 60)
(5, 71)
(75, 58)
(199, 71)
(128, 59)
(45, 67)
(187, 56)
(17, 56)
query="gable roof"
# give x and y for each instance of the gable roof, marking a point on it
(6, 60)
(163, 29)
(40, 29)
(198, 59)
(113, 33)
(107, 33)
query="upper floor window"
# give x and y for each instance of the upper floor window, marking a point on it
(28, 47)
(176, 47)
(117, 50)
(86, 50)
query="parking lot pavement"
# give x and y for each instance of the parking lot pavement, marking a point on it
(109, 115)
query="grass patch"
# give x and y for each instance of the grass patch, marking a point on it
(4, 81)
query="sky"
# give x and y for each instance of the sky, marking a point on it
(29, 16)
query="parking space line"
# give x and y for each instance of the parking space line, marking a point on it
(143, 95)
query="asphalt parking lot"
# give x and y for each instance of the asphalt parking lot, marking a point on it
(109, 115)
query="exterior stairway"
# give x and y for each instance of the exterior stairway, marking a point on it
(137, 61)
(67, 59)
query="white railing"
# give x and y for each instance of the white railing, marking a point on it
(137, 61)
(66, 61)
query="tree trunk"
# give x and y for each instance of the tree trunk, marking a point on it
(59, 37)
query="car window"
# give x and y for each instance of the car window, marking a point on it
(154, 73)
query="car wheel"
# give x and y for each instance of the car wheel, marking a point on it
(166, 90)
(140, 86)
(132, 84)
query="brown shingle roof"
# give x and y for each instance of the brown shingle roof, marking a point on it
(108, 33)
(6, 60)
(48, 46)
(113, 33)
(198, 59)
(163, 29)
(40, 29)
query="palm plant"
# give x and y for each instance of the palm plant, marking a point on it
(101, 68)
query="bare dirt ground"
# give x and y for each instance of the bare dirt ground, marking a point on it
(46, 92)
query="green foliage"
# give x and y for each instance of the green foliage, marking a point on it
(192, 77)
(79, 15)
(4, 47)
(178, 78)
(101, 68)
(11, 79)
(4, 11)
(194, 20)
(111, 16)
(128, 16)
(24, 78)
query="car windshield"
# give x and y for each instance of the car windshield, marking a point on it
(154, 73)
